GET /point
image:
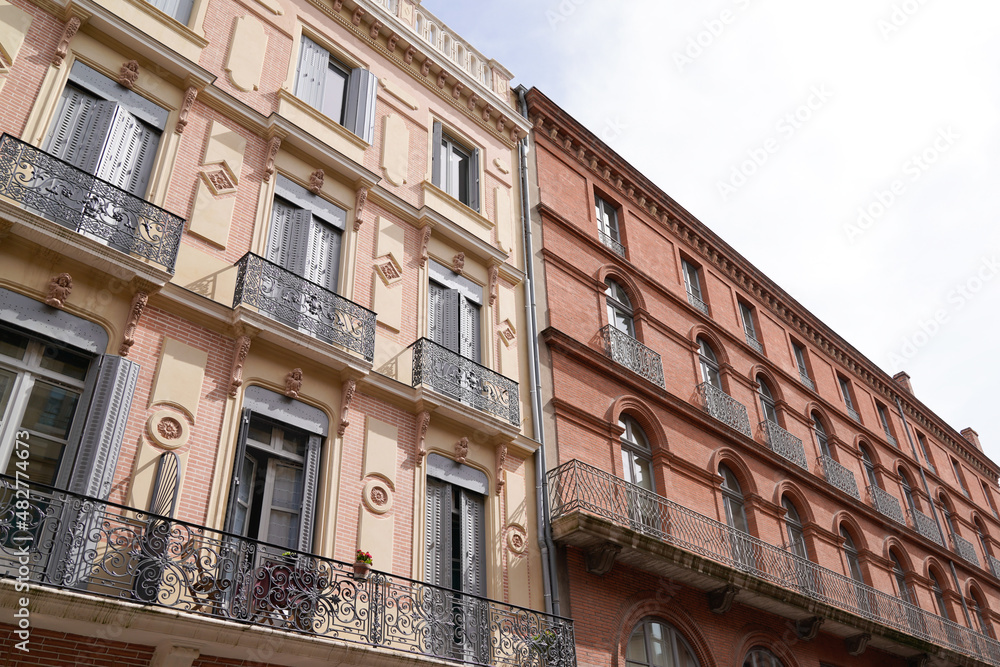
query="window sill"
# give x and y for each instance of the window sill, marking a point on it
(159, 26)
(321, 126)
(456, 211)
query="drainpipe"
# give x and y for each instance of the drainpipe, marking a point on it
(923, 479)
(548, 550)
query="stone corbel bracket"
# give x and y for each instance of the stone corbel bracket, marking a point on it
(600, 560)
(350, 386)
(721, 599)
(139, 302)
(240, 352)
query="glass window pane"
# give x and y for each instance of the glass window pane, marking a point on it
(283, 528)
(333, 93)
(65, 362)
(642, 470)
(294, 442)
(287, 486)
(12, 344)
(637, 646)
(259, 432)
(50, 410)
(7, 380)
(43, 459)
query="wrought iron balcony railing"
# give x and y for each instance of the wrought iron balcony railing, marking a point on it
(854, 414)
(926, 526)
(697, 302)
(725, 408)
(887, 504)
(71, 197)
(785, 444)
(755, 344)
(632, 354)
(466, 381)
(84, 544)
(891, 440)
(612, 244)
(964, 548)
(839, 476)
(286, 297)
(994, 565)
(576, 487)
(806, 380)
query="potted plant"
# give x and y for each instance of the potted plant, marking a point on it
(362, 564)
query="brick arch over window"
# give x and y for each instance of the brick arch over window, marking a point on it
(932, 564)
(893, 544)
(638, 410)
(777, 393)
(813, 406)
(729, 458)
(626, 282)
(843, 517)
(757, 636)
(701, 331)
(660, 604)
(973, 586)
(798, 498)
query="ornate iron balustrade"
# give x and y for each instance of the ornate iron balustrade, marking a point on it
(994, 565)
(725, 408)
(71, 197)
(891, 440)
(286, 297)
(964, 548)
(697, 302)
(839, 476)
(632, 354)
(926, 526)
(806, 380)
(576, 487)
(755, 344)
(887, 504)
(466, 381)
(785, 444)
(101, 548)
(612, 244)
(853, 414)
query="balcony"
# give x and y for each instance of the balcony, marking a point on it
(108, 550)
(697, 302)
(839, 476)
(755, 344)
(613, 245)
(887, 504)
(784, 444)
(70, 197)
(464, 380)
(632, 354)
(926, 526)
(725, 408)
(806, 380)
(591, 508)
(965, 549)
(291, 299)
(994, 565)
(891, 440)
(853, 414)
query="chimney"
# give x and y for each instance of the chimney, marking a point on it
(902, 378)
(972, 437)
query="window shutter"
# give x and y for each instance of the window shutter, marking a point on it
(313, 63)
(298, 246)
(179, 10)
(241, 448)
(437, 542)
(469, 330)
(127, 159)
(279, 239)
(87, 137)
(309, 484)
(323, 260)
(359, 118)
(104, 430)
(71, 128)
(473, 551)
(474, 181)
(436, 156)
(450, 322)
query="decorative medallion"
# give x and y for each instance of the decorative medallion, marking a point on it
(167, 429)
(517, 539)
(377, 495)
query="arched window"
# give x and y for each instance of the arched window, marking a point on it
(636, 454)
(981, 532)
(942, 609)
(766, 400)
(869, 467)
(793, 525)
(976, 606)
(709, 364)
(761, 657)
(619, 308)
(900, 576)
(654, 643)
(907, 491)
(946, 512)
(821, 438)
(732, 499)
(851, 555)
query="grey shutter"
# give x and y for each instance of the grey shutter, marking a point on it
(288, 239)
(323, 254)
(473, 552)
(127, 158)
(311, 79)
(469, 330)
(359, 117)
(474, 180)
(310, 480)
(91, 123)
(101, 441)
(241, 448)
(436, 156)
(437, 542)
(71, 126)
(450, 321)
(434, 314)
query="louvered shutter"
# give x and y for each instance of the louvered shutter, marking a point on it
(436, 155)
(359, 116)
(279, 238)
(310, 82)
(474, 180)
(85, 140)
(127, 158)
(437, 543)
(72, 125)
(473, 548)
(234, 487)
(310, 483)
(469, 330)
(450, 320)
(435, 315)
(323, 254)
(104, 430)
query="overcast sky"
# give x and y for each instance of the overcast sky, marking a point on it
(777, 123)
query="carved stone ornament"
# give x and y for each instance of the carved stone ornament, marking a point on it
(517, 540)
(487, 112)
(501, 122)
(425, 241)
(425, 68)
(240, 353)
(442, 78)
(857, 644)
(516, 136)
(337, 4)
(462, 449)
(423, 421)
(808, 628)
(373, 29)
(391, 44)
(128, 74)
(316, 181)
(182, 116)
(59, 288)
(293, 383)
(458, 263)
(139, 302)
(501, 460)
(360, 199)
(220, 180)
(272, 152)
(168, 430)
(456, 91)
(600, 560)
(72, 25)
(408, 56)
(350, 386)
(721, 599)
(473, 98)
(494, 283)
(358, 14)
(377, 495)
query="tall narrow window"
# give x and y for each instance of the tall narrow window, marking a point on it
(638, 470)
(456, 526)
(981, 533)
(749, 328)
(845, 390)
(455, 168)
(654, 643)
(455, 305)
(709, 364)
(866, 458)
(692, 283)
(607, 225)
(851, 556)
(949, 522)
(904, 480)
(619, 308)
(976, 607)
(732, 500)
(902, 590)
(345, 95)
(793, 525)
(923, 448)
(959, 476)
(821, 437)
(989, 498)
(766, 400)
(179, 10)
(800, 361)
(942, 608)
(883, 418)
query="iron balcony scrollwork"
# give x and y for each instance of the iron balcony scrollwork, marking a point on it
(632, 354)
(889, 438)
(887, 504)
(755, 344)
(839, 476)
(994, 565)
(725, 408)
(697, 302)
(785, 444)
(286, 297)
(465, 380)
(926, 526)
(854, 414)
(965, 549)
(612, 244)
(73, 198)
(84, 544)
(806, 380)
(576, 487)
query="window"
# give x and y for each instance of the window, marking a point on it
(959, 476)
(455, 305)
(942, 608)
(904, 480)
(456, 526)
(976, 604)
(851, 556)
(766, 400)
(749, 329)
(709, 364)
(800, 361)
(607, 225)
(902, 590)
(845, 389)
(345, 95)
(106, 130)
(926, 453)
(693, 285)
(455, 168)
(948, 520)
(793, 525)
(989, 498)
(638, 470)
(821, 437)
(619, 308)
(732, 500)
(866, 458)
(654, 643)
(981, 533)
(883, 418)
(761, 657)
(179, 10)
